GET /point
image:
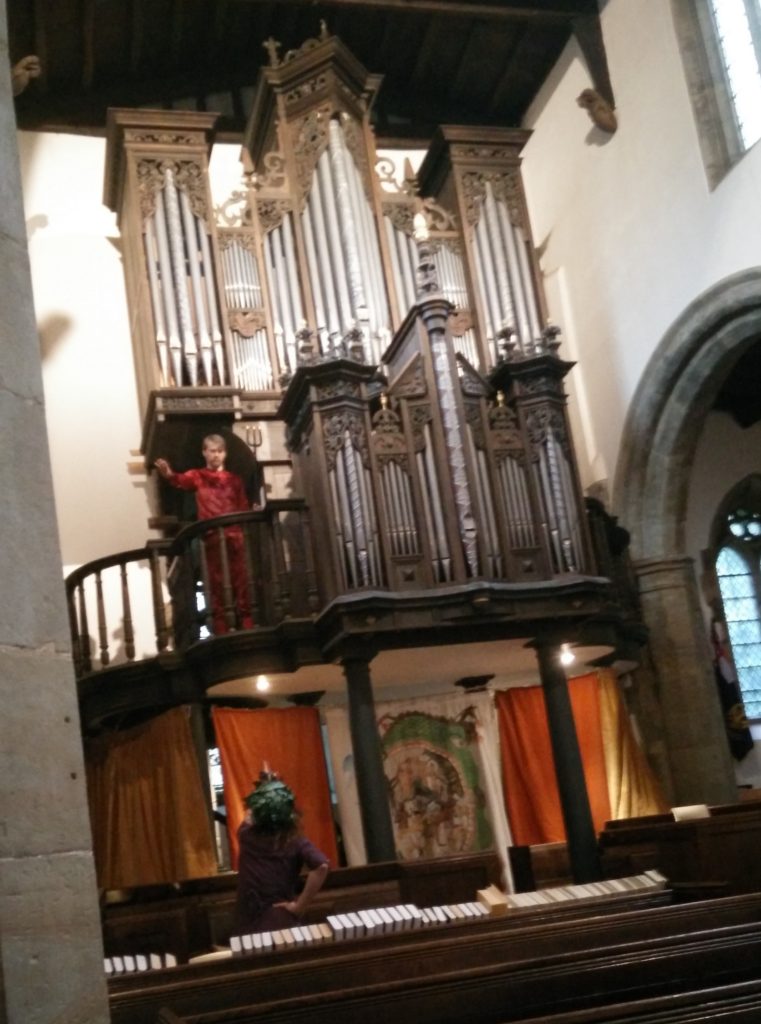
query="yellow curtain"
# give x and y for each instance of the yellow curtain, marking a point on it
(632, 787)
(149, 815)
(290, 741)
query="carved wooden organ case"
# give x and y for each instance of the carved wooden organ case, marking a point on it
(424, 402)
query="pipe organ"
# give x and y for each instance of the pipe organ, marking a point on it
(423, 405)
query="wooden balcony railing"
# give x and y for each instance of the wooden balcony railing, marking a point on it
(143, 603)
(162, 599)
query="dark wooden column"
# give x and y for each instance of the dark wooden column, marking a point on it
(368, 762)
(574, 800)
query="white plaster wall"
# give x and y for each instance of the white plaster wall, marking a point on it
(88, 371)
(628, 230)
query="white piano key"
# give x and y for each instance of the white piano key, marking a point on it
(377, 920)
(356, 920)
(267, 943)
(108, 967)
(277, 939)
(316, 932)
(449, 914)
(156, 962)
(170, 960)
(298, 935)
(248, 943)
(118, 964)
(129, 963)
(457, 911)
(405, 915)
(369, 924)
(256, 939)
(326, 931)
(141, 962)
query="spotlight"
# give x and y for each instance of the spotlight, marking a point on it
(262, 684)
(567, 657)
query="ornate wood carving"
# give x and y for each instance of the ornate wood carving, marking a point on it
(336, 427)
(506, 186)
(188, 177)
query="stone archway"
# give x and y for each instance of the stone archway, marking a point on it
(660, 437)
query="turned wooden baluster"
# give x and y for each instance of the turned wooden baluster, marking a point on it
(159, 616)
(129, 630)
(102, 630)
(84, 633)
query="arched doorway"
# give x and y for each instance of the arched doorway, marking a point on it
(662, 429)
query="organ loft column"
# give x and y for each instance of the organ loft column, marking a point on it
(574, 801)
(368, 762)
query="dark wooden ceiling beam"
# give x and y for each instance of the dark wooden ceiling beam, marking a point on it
(88, 43)
(540, 12)
(137, 29)
(40, 45)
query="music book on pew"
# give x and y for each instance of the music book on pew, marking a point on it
(493, 899)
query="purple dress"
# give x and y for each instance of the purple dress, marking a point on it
(268, 873)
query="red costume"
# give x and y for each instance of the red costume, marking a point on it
(219, 492)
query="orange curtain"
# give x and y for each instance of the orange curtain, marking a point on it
(528, 771)
(290, 741)
(632, 787)
(147, 806)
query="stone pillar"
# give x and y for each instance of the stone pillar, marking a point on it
(574, 801)
(50, 938)
(700, 761)
(368, 762)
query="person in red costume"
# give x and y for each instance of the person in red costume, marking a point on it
(218, 492)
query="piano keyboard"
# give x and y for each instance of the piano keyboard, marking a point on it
(589, 891)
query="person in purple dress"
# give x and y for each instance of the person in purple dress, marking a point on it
(272, 854)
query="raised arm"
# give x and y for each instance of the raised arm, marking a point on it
(163, 467)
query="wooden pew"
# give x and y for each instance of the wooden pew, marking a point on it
(738, 1003)
(193, 916)
(509, 945)
(719, 852)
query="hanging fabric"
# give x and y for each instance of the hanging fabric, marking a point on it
(441, 758)
(289, 740)
(147, 805)
(531, 794)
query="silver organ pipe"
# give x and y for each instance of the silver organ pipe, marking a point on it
(168, 291)
(556, 488)
(517, 503)
(195, 262)
(326, 196)
(282, 276)
(343, 252)
(442, 556)
(211, 297)
(504, 276)
(403, 262)
(451, 275)
(177, 251)
(455, 450)
(157, 300)
(252, 368)
(490, 540)
(355, 521)
(317, 293)
(349, 226)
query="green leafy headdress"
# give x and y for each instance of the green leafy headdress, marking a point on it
(272, 804)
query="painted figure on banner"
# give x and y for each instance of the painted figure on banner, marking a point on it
(437, 801)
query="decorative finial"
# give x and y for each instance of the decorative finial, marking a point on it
(272, 46)
(324, 34)
(500, 399)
